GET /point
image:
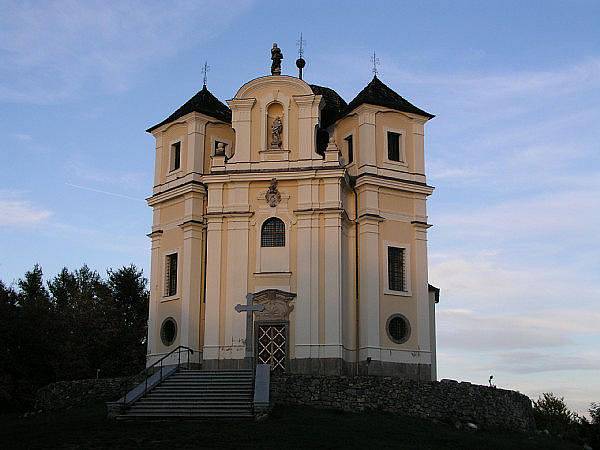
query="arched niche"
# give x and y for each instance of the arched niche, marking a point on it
(275, 111)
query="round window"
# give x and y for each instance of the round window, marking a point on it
(398, 328)
(168, 331)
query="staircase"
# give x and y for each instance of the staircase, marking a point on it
(197, 394)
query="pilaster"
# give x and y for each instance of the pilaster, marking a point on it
(333, 284)
(308, 118)
(421, 285)
(191, 287)
(369, 269)
(196, 137)
(213, 287)
(367, 157)
(241, 122)
(155, 267)
(236, 279)
(158, 157)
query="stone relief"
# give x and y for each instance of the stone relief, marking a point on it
(272, 196)
(277, 305)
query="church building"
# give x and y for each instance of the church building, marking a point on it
(290, 229)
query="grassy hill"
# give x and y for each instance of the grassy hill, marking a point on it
(289, 427)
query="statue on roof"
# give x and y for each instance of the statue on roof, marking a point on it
(276, 57)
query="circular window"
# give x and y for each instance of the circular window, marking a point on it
(398, 328)
(168, 331)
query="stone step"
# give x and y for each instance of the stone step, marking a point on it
(178, 407)
(199, 397)
(203, 388)
(200, 381)
(194, 403)
(214, 372)
(187, 415)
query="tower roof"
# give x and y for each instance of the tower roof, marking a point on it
(335, 105)
(379, 94)
(204, 102)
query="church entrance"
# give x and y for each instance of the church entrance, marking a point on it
(272, 345)
(269, 322)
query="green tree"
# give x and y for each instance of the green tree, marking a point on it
(595, 413)
(8, 334)
(552, 413)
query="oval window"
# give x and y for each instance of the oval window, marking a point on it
(168, 331)
(398, 328)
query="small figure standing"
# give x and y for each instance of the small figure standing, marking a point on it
(276, 130)
(276, 56)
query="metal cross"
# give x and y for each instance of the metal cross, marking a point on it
(375, 61)
(300, 43)
(205, 70)
(249, 308)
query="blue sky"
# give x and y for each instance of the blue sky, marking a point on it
(513, 152)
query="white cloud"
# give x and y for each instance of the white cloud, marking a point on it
(56, 50)
(15, 211)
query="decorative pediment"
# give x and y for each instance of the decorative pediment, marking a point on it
(277, 305)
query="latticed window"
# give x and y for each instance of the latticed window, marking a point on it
(396, 269)
(398, 328)
(171, 275)
(393, 141)
(273, 233)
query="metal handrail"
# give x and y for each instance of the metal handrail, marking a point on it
(145, 371)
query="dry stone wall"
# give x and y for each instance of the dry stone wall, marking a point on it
(66, 394)
(447, 401)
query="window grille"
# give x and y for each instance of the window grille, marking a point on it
(396, 269)
(171, 275)
(393, 140)
(273, 233)
(398, 328)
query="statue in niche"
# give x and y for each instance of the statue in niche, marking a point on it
(276, 130)
(276, 57)
(220, 150)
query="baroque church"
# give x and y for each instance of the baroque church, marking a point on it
(290, 229)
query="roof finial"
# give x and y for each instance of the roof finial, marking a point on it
(300, 62)
(205, 70)
(375, 61)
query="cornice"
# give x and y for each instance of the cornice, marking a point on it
(177, 191)
(404, 185)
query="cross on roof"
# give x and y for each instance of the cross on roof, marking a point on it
(300, 43)
(375, 62)
(205, 70)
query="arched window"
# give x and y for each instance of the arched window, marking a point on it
(272, 233)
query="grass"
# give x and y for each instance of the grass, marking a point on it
(287, 427)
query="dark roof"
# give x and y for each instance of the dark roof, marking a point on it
(204, 102)
(377, 93)
(335, 105)
(436, 291)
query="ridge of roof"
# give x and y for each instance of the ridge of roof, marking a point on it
(203, 102)
(379, 94)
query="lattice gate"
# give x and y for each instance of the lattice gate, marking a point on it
(271, 345)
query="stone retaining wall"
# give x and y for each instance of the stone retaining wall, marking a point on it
(66, 394)
(447, 401)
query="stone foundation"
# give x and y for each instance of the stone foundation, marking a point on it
(447, 401)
